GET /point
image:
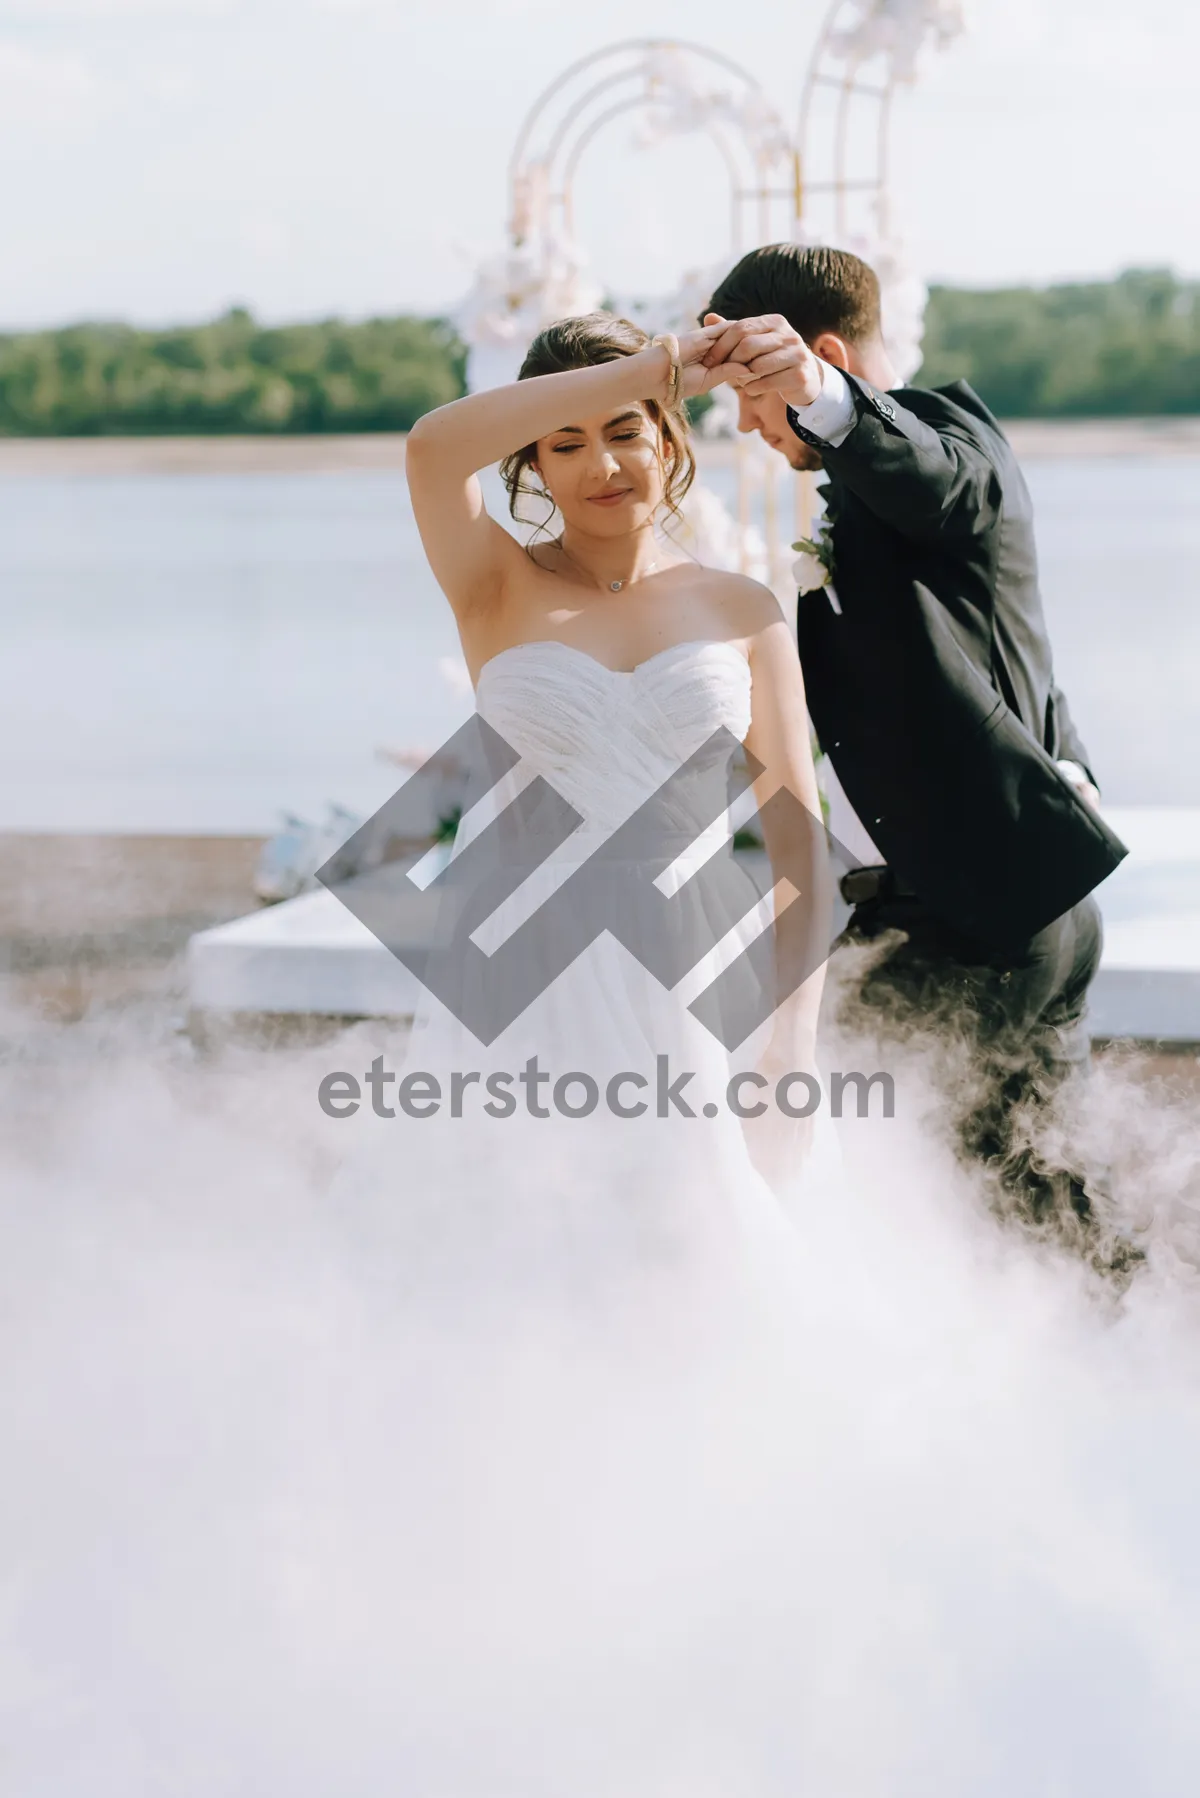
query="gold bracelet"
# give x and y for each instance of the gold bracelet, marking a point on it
(669, 342)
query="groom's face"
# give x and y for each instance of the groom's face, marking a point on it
(768, 416)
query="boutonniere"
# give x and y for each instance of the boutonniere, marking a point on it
(813, 568)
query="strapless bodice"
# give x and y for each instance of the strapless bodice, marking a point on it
(605, 739)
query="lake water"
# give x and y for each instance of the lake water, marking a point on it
(195, 652)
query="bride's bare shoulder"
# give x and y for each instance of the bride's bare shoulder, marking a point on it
(746, 605)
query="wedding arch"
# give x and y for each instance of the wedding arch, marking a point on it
(865, 51)
(673, 88)
(827, 182)
(677, 87)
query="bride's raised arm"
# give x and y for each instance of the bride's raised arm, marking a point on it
(470, 554)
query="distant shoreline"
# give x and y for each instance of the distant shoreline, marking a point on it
(1033, 439)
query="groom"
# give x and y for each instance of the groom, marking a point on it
(929, 681)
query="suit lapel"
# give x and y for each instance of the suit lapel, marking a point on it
(832, 494)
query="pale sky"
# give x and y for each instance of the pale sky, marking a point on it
(163, 159)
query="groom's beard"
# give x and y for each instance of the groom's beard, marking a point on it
(798, 455)
(802, 457)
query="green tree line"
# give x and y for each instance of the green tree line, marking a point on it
(1099, 349)
(1102, 349)
(229, 375)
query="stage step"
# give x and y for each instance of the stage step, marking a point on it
(310, 956)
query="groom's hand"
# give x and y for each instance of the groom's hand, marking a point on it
(775, 356)
(699, 374)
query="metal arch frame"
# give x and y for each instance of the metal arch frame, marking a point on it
(626, 46)
(749, 174)
(565, 197)
(845, 76)
(850, 86)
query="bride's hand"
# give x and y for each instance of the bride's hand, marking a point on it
(698, 378)
(778, 1147)
(779, 1143)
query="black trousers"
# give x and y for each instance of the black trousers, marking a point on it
(1021, 1018)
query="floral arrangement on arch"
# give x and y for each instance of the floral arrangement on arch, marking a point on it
(901, 31)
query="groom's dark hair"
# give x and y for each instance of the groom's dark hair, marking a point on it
(816, 289)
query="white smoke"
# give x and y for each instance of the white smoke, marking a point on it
(280, 1518)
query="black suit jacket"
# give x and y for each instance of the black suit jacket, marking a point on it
(932, 692)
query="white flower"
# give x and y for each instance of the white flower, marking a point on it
(810, 572)
(901, 31)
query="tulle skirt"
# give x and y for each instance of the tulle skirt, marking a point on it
(711, 1487)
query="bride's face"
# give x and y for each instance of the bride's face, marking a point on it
(605, 474)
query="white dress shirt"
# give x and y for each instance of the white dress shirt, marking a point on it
(831, 415)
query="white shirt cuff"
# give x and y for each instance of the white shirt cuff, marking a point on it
(831, 415)
(1077, 776)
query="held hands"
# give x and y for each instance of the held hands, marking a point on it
(700, 374)
(754, 355)
(768, 355)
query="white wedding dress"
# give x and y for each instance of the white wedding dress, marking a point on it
(603, 1186)
(665, 1485)
(598, 1312)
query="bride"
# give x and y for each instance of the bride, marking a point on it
(605, 658)
(585, 1231)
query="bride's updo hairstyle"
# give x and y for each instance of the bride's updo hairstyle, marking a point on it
(582, 343)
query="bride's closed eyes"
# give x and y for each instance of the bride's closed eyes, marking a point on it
(567, 449)
(627, 427)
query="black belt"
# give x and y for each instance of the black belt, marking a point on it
(863, 884)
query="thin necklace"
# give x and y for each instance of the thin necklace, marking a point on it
(613, 586)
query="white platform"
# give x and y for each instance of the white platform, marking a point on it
(311, 955)
(1149, 980)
